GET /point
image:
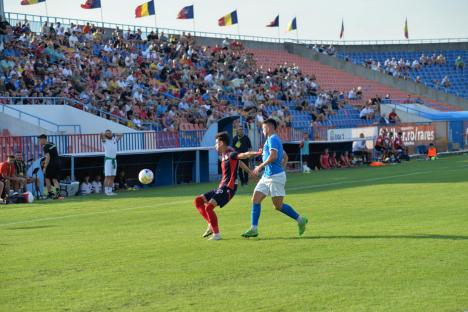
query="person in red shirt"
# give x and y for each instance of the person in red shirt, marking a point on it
(333, 161)
(230, 162)
(345, 160)
(380, 144)
(325, 160)
(401, 151)
(7, 175)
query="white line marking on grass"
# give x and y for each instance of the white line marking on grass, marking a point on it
(303, 187)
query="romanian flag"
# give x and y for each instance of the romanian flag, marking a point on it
(274, 23)
(229, 19)
(28, 2)
(292, 25)
(186, 13)
(342, 29)
(91, 4)
(406, 29)
(145, 9)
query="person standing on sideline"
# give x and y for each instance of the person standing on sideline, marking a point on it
(273, 180)
(51, 168)
(109, 142)
(242, 144)
(305, 153)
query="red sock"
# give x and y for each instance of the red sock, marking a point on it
(200, 204)
(213, 219)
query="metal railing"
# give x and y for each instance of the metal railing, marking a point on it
(36, 22)
(38, 121)
(76, 144)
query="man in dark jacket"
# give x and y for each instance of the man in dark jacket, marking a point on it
(242, 144)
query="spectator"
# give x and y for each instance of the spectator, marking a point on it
(401, 151)
(305, 153)
(445, 82)
(360, 149)
(97, 185)
(4, 30)
(345, 160)
(393, 117)
(242, 144)
(86, 187)
(122, 181)
(380, 146)
(431, 152)
(325, 160)
(367, 113)
(384, 120)
(459, 63)
(333, 161)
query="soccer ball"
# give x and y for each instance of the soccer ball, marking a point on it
(146, 176)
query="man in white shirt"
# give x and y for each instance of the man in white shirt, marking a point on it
(360, 149)
(97, 185)
(109, 142)
(86, 187)
(366, 113)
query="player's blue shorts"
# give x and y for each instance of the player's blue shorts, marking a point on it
(222, 195)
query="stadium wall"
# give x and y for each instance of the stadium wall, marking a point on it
(67, 115)
(18, 127)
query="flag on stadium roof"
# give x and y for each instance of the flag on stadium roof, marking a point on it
(228, 19)
(274, 23)
(342, 29)
(28, 2)
(146, 9)
(292, 25)
(186, 13)
(91, 4)
(406, 29)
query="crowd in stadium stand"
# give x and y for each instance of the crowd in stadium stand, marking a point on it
(162, 80)
(401, 68)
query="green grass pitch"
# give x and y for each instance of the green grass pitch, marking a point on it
(379, 239)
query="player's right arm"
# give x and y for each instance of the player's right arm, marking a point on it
(247, 155)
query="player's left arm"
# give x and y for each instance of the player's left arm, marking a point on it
(285, 159)
(245, 168)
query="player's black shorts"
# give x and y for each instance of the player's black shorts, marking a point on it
(222, 195)
(380, 149)
(53, 171)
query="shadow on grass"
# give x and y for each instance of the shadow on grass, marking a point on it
(30, 227)
(415, 236)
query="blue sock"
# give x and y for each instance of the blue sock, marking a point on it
(256, 209)
(289, 211)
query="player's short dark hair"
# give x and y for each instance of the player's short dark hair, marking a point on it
(42, 136)
(271, 121)
(223, 137)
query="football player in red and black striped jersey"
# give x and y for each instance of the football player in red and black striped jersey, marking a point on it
(227, 187)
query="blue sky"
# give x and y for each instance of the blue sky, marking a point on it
(364, 19)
